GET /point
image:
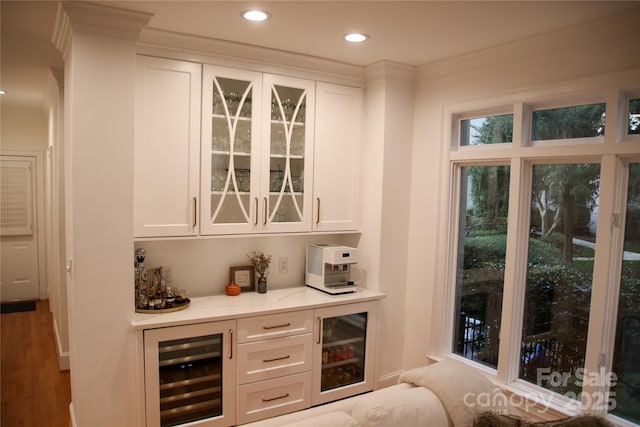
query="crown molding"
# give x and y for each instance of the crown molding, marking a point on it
(390, 72)
(529, 49)
(90, 18)
(61, 37)
(156, 42)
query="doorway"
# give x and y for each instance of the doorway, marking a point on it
(19, 230)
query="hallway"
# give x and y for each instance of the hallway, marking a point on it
(34, 392)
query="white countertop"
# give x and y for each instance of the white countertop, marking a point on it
(223, 307)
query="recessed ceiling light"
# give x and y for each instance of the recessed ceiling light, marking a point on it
(255, 15)
(2, 92)
(356, 37)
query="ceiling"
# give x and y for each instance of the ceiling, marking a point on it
(408, 32)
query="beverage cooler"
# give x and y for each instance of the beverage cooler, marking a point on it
(187, 370)
(345, 342)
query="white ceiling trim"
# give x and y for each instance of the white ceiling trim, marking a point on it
(156, 42)
(523, 50)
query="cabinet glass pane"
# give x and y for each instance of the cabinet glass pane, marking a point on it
(343, 350)
(287, 147)
(231, 151)
(190, 379)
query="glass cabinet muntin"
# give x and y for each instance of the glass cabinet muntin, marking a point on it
(258, 130)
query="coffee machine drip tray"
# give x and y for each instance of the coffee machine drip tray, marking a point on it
(339, 285)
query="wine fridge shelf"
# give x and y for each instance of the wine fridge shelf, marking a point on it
(352, 361)
(187, 359)
(189, 382)
(340, 342)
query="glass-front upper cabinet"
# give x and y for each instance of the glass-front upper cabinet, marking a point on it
(287, 153)
(230, 150)
(257, 143)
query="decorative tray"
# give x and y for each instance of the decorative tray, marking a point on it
(177, 306)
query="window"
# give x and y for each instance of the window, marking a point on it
(484, 203)
(559, 274)
(626, 363)
(551, 275)
(633, 124)
(487, 130)
(579, 121)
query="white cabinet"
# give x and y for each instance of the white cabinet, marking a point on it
(253, 363)
(336, 180)
(287, 160)
(274, 365)
(190, 374)
(257, 145)
(261, 153)
(166, 153)
(230, 168)
(344, 349)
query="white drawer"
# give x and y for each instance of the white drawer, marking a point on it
(263, 360)
(275, 397)
(275, 326)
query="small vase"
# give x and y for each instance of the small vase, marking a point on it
(262, 285)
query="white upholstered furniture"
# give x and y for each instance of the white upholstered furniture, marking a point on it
(444, 394)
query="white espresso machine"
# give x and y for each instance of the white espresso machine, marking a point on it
(329, 268)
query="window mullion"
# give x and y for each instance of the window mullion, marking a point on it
(599, 349)
(515, 271)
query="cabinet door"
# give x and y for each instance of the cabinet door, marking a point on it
(287, 161)
(230, 168)
(336, 182)
(166, 153)
(190, 375)
(344, 351)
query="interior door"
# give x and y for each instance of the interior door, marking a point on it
(18, 237)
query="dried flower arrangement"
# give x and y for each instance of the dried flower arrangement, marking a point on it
(259, 261)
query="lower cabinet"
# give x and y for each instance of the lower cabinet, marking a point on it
(190, 375)
(240, 371)
(271, 398)
(275, 354)
(344, 351)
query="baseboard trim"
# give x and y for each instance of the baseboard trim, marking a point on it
(72, 416)
(63, 356)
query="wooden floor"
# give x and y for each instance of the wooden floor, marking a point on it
(34, 392)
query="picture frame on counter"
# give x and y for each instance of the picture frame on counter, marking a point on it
(243, 276)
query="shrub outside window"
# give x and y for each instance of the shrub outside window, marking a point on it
(626, 360)
(579, 121)
(551, 281)
(633, 126)
(559, 274)
(484, 203)
(487, 130)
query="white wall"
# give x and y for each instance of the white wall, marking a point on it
(54, 201)
(385, 201)
(202, 265)
(24, 129)
(552, 60)
(98, 147)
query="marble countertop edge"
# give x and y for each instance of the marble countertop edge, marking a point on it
(222, 307)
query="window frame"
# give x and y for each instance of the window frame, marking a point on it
(521, 155)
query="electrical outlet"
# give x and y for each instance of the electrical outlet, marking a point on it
(283, 265)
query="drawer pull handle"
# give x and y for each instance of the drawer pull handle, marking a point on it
(275, 398)
(284, 325)
(277, 358)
